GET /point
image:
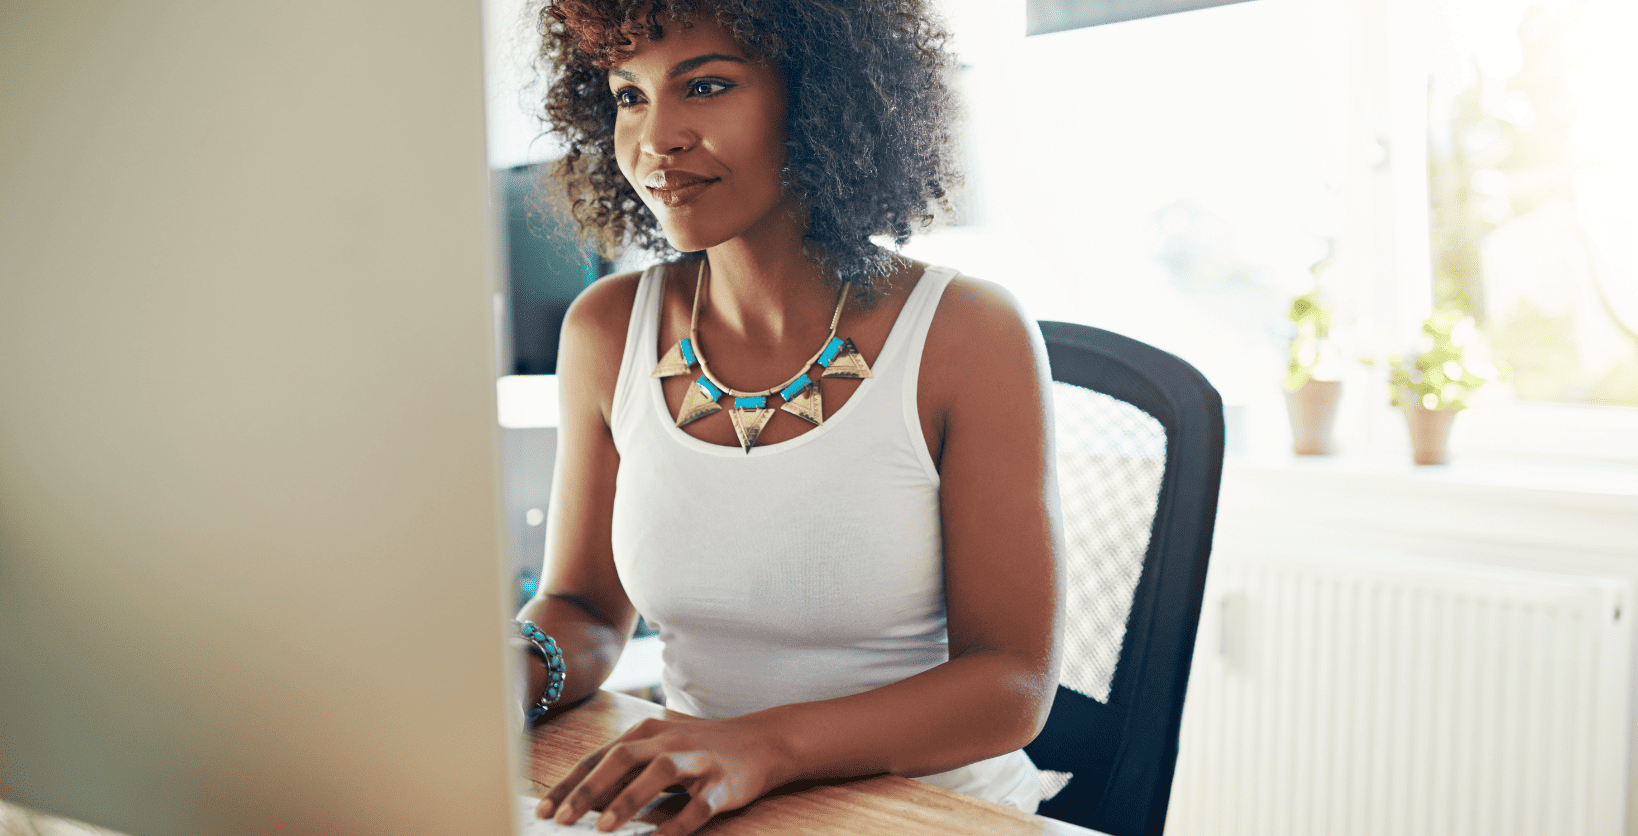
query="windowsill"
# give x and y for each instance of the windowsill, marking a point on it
(1518, 473)
(1515, 510)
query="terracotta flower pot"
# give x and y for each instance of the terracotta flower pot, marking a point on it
(1430, 433)
(1313, 411)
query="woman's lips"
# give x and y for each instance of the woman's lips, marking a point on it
(682, 194)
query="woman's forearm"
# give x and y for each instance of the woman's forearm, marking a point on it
(976, 706)
(590, 645)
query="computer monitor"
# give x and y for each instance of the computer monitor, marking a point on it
(250, 558)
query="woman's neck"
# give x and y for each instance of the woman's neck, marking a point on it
(762, 287)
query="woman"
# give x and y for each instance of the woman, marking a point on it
(851, 556)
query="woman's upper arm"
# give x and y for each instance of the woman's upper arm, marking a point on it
(579, 554)
(998, 490)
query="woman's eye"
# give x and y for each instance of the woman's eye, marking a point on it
(706, 87)
(626, 98)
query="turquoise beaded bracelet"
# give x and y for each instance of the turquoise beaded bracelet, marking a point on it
(548, 651)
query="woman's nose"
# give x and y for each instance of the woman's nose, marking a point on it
(666, 130)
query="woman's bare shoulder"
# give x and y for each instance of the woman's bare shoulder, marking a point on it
(980, 329)
(982, 315)
(603, 309)
(593, 341)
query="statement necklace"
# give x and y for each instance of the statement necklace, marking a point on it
(750, 411)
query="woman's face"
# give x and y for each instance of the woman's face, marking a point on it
(700, 133)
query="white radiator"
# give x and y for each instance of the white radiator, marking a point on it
(1350, 694)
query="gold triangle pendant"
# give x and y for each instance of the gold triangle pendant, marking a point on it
(697, 403)
(848, 363)
(806, 405)
(676, 361)
(748, 424)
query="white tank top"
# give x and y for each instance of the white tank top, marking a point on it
(804, 570)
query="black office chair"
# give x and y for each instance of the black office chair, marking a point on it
(1140, 457)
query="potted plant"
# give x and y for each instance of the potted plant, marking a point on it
(1438, 380)
(1312, 387)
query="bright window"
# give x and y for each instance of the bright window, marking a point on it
(1532, 177)
(1174, 179)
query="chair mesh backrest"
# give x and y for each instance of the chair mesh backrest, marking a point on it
(1111, 456)
(1139, 434)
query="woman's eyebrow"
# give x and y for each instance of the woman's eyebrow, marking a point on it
(699, 60)
(682, 66)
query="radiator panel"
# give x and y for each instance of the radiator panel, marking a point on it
(1373, 694)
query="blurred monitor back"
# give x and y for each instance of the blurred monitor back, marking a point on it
(250, 565)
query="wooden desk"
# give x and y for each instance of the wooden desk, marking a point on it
(881, 804)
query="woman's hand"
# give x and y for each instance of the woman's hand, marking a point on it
(723, 764)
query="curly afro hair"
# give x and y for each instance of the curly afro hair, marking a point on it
(868, 126)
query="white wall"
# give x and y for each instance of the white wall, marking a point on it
(1078, 140)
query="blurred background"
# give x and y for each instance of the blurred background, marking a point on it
(1178, 178)
(1371, 224)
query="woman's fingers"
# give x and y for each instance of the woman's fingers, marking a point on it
(719, 765)
(553, 799)
(603, 780)
(564, 794)
(700, 808)
(662, 772)
(554, 796)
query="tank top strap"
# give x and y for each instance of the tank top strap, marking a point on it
(904, 352)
